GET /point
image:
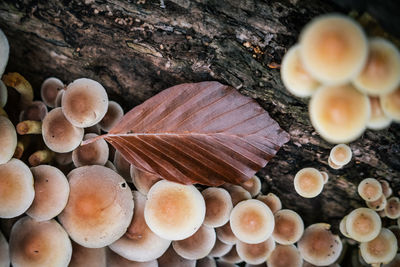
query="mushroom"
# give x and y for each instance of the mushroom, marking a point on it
(325, 175)
(50, 89)
(3, 94)
(16, 188)
(237, 193)
(122, 165)
(370, 189)
(342, 227)
(4, 252)
(95, 153)
(308, 182)
(206, 262)
(225, 234)
(252, 221)
(84, 257)
(110, 165)
(99, 208)
(253, 185)
(4, 52)
(8, 139)
(386, 189)
(139, 243)
(174, 211)
(392, 208)
(333, 48)
(294, 76)
(218, 206)
(319, 246)
(113, 115)
(115, 260)
(378, 119)
(34, 243)
(171, 258)
(220, 248)
(333, 165)
(59, 98)
(381, 73)
(21, 85)
(340, 154)
(143, 180)
(35, 111)
(378, 204)
(289, 227)
(51, 193)
(41, 157)
(29, 127)
(339, 113)
(232, 256)
(285, 256)
(272, 201)
(196, 246)
(255, 253)
(59, 134)
(363, 224)
(390, 104)
(382, 249)
(84, 103)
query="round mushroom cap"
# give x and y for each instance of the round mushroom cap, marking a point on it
(171, 258)
(382, 249)
(113, 115)
(4, 252)
(237, 193)
(363, 224)
(333, 48)
(377, 205)
(340, 154)
(220, 248)
(51, 193)
(59, 98)
(100, 206)
(206, 262)
(255, 253)
(325, 175)
(95, 153)
(232, 256)
(3, 94)
(333, 165)
(381, 73)
(253, 185)
(49, 90)
(308, 182)
(390, 104)
(16, 188)
(285, 256)
(174, 211)
(386, 189)
(84, 257)
(8, 139)
(289, 227)
(342, 227)
(339, 113)
(122, 165)
(272, 201)
(294, 76)
(35, 111)
(252, 221)
(139, 243)
(85, 102)
(225, 234)
(218, 206)
(143, 180)
(59, 134)
(4, 52)
(392, 208)
(378, 119)
(115, 260)
(370, 189)
(34, 243)
(319, 246)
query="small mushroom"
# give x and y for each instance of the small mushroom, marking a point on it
(122, 165)
(232, 256)
(63, 158)
(386, 189)
(289, 227)
(115, 260)
(50, 89)
(143, 180)
(325, 175)
(382, 249)
(308, 182)
(206, 262)
(370, 189)
(218, 206)
(390, 104)
(35, 111)
(113, 115)
(4, 52)
(272, 201)
(8, 139)
(340, 154)
(396, 231)
(220, 248)
(378, 119)
(4, 252)
(237, 193)
(333, 165)
(363, 224)
(93, 129)
(3, 94)
(95, 153)
(29, 127)
(392, 208)
(285, 256)
(378, 204)
(225, 234)
(342, 227)
(59, 98)
(255, 253)
(84, 257)
(253, 185)
(171, 258)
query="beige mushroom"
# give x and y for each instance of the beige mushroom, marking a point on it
(394, 263)
(363, 224)
(255, 253)
(325, 175)
(253, 185)
(308, 182)
(113, 115)
(232, 256)
(171, 258)
(4, 52)
(8, 140)
(218, 206)
(272, 201)
(370, 189)
(59, 98)
(378, 119)
(206, 262)
(386, 189)
(3, 94)
(50, 89)
(220, 248)
(95, 153)
(237, 193)
(21, 85)
(382, 249)
(39, 157)
(87, 257)
(390, 104)
(115, 260)
(225, 234)
(35, 111)
(342, 227)
(392, 208)
(143, 180)
(4, 252)
(285, 256)
(340, 154)
(289, 227)
(378, 204)
(122, 165)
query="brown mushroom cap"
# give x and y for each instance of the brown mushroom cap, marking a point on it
(225, 234)
(16, 188)
(139, 243)
(63, 158)
(340, 154)
(51, 193)
(4, 52)
(4, 252)
(339, 113)
(378, 204)
(370, 189)
(100, 206)
(308, 182)
(59, 134)
(363, 224)
(319, 246)
(171, 258)
(3, 94)
(122, 165)
(218, 206)
(84, 103)
(390, 104)
(342, 227)
(35, 111)
(113, 115)
(255, 253)
(386, 189)
(143, 180)
(381, 73)
(378, 119)
(392, 208)
(289, 227)
(252, 221)
(220, 248)
(325, 175)
(253, 185)
(84, 257)
(49, 90)
(382, 249)
(115, 260)
(232, 256)
(41, 244)
(206, 262)
(59, 98)
(174, 211)
(333, 48)
(95, 153)
(8, 139)
(272, 201)
(237, 193)
(285, 256)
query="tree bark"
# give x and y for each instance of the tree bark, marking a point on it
(138, 48)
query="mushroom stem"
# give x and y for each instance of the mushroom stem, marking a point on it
(19, 83)
(41, 157)
(22, 143)
(29, 127)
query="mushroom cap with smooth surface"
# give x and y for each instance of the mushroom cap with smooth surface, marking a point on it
(253, 185)
(3, 94)
(378, 119)
(122, 165)
(232, 256)
(113, 115)
(206, 262)
(171, 258)
(4, 52)
(272, 201)
(308, 182)
(392, 208)
(382, 249)
(285, 256)
(8, 139)
(4, 252)
(370, 189)
(237, 193)
(218, 206)
(225, 234)
(378, 204)
(49, 90)
(115, 260)
(363, 224)
(386, 189)
(87, 257)
(143, 180)
(95, 153)
(341, 154)
(342, 227)
(220, 248)
(289, 227)
(255, 253)
(390, 104)
(35, 111)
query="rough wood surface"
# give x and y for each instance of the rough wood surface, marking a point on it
(138, 48)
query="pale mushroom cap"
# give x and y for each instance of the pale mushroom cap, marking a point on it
(35, 111)
(171, 258)
(139, 243)
(285, 256)
(386, 189)
(218, 206)
(220, 249)
(3, 94)
(51, 193)
(378, 119)
(333, 48)
(39, 244)
(95, 153)
(113, 115)
(289, 227)
(294, 76)
(59, 98)
(308, 182)
(378, 204)
(59, 134)
(392, 208)
(333, 165)
(253, 185)
(115, 260)
(325, 175)
(232, 256)
(341, 154)
(252, 221)
(272, 201)
(85, 102)
(381, 73)
(143, 180)
(100, 206)
(390, 104)
(339, 113)
(225, 234)
(4, 52)
(319, 246)
(4, 252)
(174, 211)
(206, 262)
(87, 257)
(363, 224)
(8, 139)
(16, 188)
(342, 227)
(255, 253)
(49, 90)
(122, 165)
(238, 193)
(370, 189)
(382, 249)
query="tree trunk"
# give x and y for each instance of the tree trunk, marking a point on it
(138, 48)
